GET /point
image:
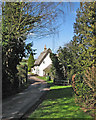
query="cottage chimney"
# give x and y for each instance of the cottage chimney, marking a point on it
(45, 48)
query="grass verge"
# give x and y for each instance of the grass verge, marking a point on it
(45, 78)
(59, 103)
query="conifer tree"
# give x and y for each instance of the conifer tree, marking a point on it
(66, 59)
(84, 48)
(57, 68)
(30, 61)
(84, 40)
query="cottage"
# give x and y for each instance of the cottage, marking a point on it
(43, 63)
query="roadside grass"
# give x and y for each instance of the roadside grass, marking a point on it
(41, 77)
(59, 103)
(30, 73)
(45, 78)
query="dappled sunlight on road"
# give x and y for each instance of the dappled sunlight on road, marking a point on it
(19, 104)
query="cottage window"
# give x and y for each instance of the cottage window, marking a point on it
(43, 62)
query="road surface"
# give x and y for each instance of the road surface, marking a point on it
(18, 105)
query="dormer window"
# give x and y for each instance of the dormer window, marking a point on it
(43, 62)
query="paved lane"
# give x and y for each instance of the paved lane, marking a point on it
(17, 106)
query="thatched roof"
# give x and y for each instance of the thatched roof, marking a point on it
(42, 56)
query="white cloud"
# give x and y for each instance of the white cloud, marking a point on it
(31, 34)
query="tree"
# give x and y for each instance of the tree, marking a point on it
(18, 20)
(66, 58)
(57, 68)
(84, 48)
(30, 61)
(84, 40)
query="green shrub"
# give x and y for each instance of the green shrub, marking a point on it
(84, 86)
(22, 73)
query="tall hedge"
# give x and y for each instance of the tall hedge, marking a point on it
(84, 48)
(84, 86)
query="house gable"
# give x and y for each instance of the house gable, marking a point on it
(42, 57)
(42, 62)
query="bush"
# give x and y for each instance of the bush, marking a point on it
(84, 86)
(22, 74)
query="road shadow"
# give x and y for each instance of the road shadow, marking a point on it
(59, 103)
(60, 93)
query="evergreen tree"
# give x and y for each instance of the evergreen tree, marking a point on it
(57, 68)
(84, 40)
(18, 20)
(66, 59)
(30, 61)
(84, 48)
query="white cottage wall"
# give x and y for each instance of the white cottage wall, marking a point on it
(45, 63)
(34, 69)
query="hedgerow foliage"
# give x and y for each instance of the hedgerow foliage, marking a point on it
(84, 48)
(84, 40)
(85, 90)
(22, 73)
(20, 20)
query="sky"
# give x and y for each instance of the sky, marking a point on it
(64, 36)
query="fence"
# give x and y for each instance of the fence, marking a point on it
(61, 82)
